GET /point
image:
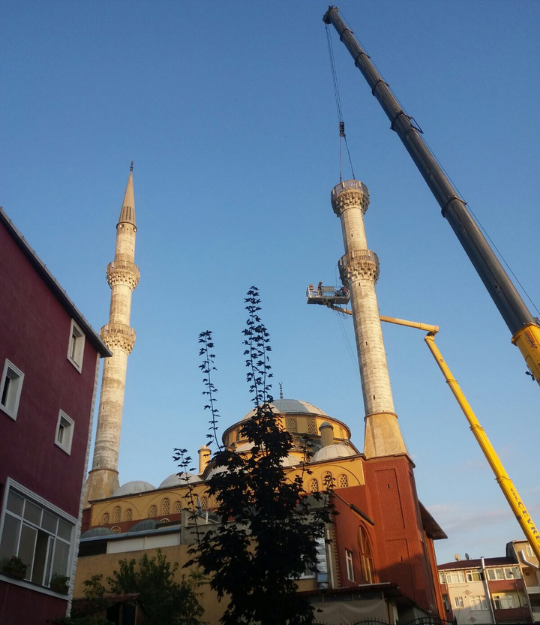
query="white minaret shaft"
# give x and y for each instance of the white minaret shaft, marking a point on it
(359, 271)
(123, 277)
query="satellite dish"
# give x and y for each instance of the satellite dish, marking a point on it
(457, 557)
(467, 556)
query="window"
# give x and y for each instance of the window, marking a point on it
(165, 506)
(106, 518)
(291, 424)
(455, 577)
(38, 533)
(117, 513)
(458, 602)
(494, 574)
(446, 603)
(478, 603)
(129, 514)
(442, 578)
(366, 558)
(204, 503)
(349, 564)
(314, 486)
(328, 480)
(76, 346)
(343, 481)
(177, 507)
(512, 573)
(529, 551)
(64, 431)
(153, 511)
(503, 602)
(473, 576)
(312, 426)
(10, 389)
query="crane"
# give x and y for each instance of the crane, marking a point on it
(501, 476)
(524, 327)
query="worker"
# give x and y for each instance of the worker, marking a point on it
(319, 289)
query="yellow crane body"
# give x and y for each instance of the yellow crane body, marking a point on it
(529, 337)
(528, 341)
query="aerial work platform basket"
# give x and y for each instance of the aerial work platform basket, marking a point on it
(327, 295)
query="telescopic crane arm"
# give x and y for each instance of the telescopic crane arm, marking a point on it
(524, 327)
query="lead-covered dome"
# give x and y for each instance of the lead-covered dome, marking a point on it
(133, 488)
(330, 452)
(179, 479)
(291, 406)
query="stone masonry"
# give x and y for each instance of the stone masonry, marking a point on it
(359, 271)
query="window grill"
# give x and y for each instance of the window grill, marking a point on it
(153, 511)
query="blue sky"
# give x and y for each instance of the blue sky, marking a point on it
(227, 109)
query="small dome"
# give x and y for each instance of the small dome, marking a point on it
(179, 479)
(330, 452)
(290, 461)
(214, 471)
(132, 488)
(291, 406)
(97, 531)
(144, 526)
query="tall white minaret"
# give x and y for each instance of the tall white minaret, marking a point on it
(359, 271)
(123, 277)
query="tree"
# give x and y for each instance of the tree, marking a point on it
(163, 601)
(266, 537)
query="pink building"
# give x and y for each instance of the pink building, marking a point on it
(49, 360)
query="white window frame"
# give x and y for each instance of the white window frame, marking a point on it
(13, 396)
(349, 564)
(512, 573)
(452, 574)
(503, 602)
(48, 507)
(64, 440)
(76, 343)
(478, 603)
(471, 575)
(495, 574)
(529, 551)
(458, 602)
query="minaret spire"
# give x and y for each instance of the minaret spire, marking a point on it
(123, 277)
(359, 271)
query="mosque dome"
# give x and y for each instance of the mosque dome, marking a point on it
(179, 479)
(132, 488)
(95, 532)
(291, 406)
(330, 452)
(144, 526)
(290, 461)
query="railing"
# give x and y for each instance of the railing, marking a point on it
(123, 265)
(349, 184)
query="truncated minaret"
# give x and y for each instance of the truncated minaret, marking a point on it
(359, 271)
(123, 277)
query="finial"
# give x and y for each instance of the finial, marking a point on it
(131, 167)
(280, 390)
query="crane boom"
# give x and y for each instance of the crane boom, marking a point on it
(524, 327)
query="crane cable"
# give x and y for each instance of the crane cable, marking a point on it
(342, 135)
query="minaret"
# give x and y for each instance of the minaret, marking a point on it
(123, 277)
(359, 271)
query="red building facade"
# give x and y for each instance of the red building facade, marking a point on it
(49, 358)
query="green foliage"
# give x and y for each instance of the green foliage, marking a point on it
(267, 532)
(162, 600)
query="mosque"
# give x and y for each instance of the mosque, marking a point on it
(378, 559)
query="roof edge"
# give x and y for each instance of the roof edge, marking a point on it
(54, 286)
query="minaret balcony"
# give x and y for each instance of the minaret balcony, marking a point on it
(123, 272)
(359, 264)
(118, 335)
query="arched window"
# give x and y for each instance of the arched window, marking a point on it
(328, 480)
(166, 506)
(129, 514)
(117, 512)
(314, 486)
(177, 507)
(153, 511)
(204, 503)
(343, 482)
(312, 426)
(366, 558)
(291, 424)
(105, 518)
(115, 529)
